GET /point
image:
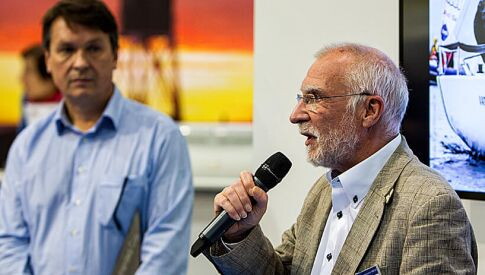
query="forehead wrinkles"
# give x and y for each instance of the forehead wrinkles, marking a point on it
(61, 31)
(327, 73)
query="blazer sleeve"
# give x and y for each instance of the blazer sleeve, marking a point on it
(254, 255)
(440, 239)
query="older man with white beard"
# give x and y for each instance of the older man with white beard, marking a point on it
(377, 211)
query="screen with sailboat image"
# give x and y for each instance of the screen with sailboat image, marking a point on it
(457, 92)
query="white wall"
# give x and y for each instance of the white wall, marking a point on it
(287, 34)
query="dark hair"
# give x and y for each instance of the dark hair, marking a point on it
(92, 14)
(37, 53)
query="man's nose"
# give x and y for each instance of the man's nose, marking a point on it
(80, 60)
(299, 114)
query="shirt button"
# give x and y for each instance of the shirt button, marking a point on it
(74, 232)
(329, 256)
(80, 169)
(355, 199)
(72, 269)
(77, 202)
(339, 214)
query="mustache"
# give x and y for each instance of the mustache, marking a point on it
(307, 129)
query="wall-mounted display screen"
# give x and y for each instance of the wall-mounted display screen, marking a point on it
(453, 88)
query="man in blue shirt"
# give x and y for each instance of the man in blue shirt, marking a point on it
(75, 180)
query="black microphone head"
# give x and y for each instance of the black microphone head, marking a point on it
(273, 170)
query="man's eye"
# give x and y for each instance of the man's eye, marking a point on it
(66, 50)
(309, 99)
(94, 49)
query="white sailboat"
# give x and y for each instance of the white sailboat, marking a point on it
(464, 101)
(461, 76)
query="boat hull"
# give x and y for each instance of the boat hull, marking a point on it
(464, 102)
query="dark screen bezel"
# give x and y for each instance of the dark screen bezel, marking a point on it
(413, 59)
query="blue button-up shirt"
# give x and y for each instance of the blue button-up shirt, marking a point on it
(68, 197)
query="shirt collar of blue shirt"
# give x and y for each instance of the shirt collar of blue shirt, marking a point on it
(109, 119)
(357, 181)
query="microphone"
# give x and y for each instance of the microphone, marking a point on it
(270, 173)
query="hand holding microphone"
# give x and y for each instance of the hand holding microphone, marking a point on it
(241, 206)
(244, 202)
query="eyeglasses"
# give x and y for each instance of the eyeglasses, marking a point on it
(311, 100)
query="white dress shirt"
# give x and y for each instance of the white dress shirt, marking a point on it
(348, 192)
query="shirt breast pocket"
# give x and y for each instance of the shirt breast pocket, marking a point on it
(117, 199)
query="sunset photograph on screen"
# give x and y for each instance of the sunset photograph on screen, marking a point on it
(192, 60)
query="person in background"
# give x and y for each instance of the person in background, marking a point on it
(37, 82)
(378, 210)
(40, 93)
(77, 181)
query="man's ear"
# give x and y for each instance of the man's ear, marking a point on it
(47, 60)
(373, 109)
(115, 59)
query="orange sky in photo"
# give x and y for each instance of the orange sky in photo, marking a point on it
(214, 40)
(215, 24)
(20, 22)
(201, 25)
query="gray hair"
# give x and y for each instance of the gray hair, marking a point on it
(374, 72)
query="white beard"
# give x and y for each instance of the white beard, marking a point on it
(333, 147)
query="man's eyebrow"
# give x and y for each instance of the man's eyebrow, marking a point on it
(313, 90)
(92, 41)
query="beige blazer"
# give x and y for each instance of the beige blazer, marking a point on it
(411, 222)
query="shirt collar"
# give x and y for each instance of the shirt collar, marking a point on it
(357, 181)
(110, 118)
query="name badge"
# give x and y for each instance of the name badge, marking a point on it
(370, 271)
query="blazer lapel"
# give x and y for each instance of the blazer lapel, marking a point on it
(321, 215)
(312, 222)
(369, 217)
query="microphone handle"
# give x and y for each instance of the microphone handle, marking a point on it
(213, 233)
(224, 221)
